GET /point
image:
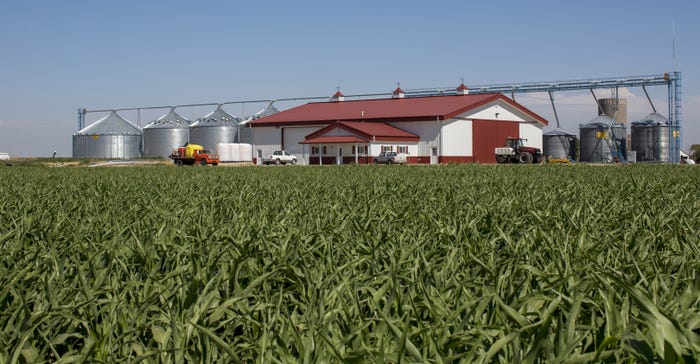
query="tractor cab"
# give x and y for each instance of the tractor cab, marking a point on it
(515, 143)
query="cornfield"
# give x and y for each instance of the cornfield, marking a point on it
(437, 264)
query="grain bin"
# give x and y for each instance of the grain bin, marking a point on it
(166, 133)
(111, 137)
(559, 143)
(216, 127)
(602, 140)
(650, 138)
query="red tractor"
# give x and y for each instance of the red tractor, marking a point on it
(515, 152)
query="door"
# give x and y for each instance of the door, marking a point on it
(433, 155)
(488, 135)
(339, 156)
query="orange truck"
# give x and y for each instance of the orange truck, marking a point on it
(192, 154)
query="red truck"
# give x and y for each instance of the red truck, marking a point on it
(194, 154)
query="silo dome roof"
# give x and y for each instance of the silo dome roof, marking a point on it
(171, 120)
(559, 131)
(653, 119)
(111, 124)
(599, 121)
(267, 111)
(218, 117)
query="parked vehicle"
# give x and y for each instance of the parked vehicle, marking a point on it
(192, 154)
(514, 151)
(390, 158)
(280, 157)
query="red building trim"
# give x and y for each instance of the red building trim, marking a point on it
(455, 159)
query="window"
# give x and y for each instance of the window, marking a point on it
(359, 150)
(402, 149)
(387, 148)
(315, 150)
(324, 149)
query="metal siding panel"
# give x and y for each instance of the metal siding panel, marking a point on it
(292, 137)
(489, 135)
(160, 142)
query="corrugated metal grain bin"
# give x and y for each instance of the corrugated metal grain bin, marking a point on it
(165, 134)
(111, 137)
(216, 127)
(602, 140)
(650, 138)
(559, 143)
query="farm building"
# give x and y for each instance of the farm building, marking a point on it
(438, 129)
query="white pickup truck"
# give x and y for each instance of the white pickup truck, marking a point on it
(390, 158)
(280, 157)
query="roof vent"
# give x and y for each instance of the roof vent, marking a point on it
(338, 96)
(398, 93)
(462, 89)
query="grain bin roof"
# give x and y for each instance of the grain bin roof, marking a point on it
(653, 119)
(559, 131)
(599, 121)
(171, 120)
(111, 124)
(217, 117)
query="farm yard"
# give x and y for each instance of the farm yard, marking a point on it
(440, 264)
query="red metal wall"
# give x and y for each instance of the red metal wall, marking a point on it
(489, 134)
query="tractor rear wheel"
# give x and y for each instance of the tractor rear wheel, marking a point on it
(525, 158)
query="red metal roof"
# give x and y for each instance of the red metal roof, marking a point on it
(377, 130)
(333, 139)
(363, 131)
(387, 110)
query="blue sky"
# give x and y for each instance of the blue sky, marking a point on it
(57, 56)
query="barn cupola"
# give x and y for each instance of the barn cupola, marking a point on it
(462, 89)
(398, 93)
(338, 96)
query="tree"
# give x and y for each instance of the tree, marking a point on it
(695, 152)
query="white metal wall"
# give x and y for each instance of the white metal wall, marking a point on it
(457, 138)
(266, 139)
(533, 134)
(338, 132)
(376, 147)
(428, 131)
(292, 137)
(494, 111)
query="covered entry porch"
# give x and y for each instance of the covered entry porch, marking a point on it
(327, 150)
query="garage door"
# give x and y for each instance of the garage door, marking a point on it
(489, 134)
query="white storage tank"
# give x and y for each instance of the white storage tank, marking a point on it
(166, 133)
(111, 137)
(235, 152)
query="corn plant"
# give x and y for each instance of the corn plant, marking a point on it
(438, 264)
